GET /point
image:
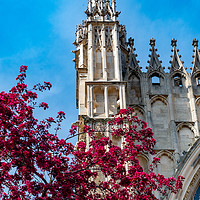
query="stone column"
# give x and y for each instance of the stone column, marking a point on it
(81, 56)
(145, 98)
(87, 141)
(88, 101)
(90, 5)
(114, 6)
(90, 53)
(124, 96)
(106, 101)
(120, 97)
(91, 102)
(172, 127)
(116, 53)
(193, 105)
(104, 64)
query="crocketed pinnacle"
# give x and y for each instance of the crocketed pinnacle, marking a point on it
(133, 62)
(176, 63)
(154, 62)
(196, 62)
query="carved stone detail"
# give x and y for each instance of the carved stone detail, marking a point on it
(109, 37)
(122, 35)
(154, 63)
(81, 32)
(97, 36)
(98, 9)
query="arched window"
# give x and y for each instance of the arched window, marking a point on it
(166, 165)
(186, 138)
(155, 80)
(143, 163)
(178, 80)
(160, 114)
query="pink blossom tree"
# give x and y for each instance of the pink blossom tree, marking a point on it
(36, 164)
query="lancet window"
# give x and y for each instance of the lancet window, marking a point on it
(166, 164)
(98, 71)
(186, 138)
(110, 64)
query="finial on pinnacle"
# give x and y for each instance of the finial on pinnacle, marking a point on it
(114, 2)
(152, 42)
(114, 6)
(195, 42)
(173, 42)
(131, 42)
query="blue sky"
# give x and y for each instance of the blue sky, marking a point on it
(40, 33)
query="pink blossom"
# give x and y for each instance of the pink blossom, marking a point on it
(36, 164)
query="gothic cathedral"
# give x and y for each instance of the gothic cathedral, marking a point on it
(109, 78)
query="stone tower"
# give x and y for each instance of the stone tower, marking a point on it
(100, 88)
(109, 78)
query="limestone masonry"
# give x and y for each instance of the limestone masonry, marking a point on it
(109, 78)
